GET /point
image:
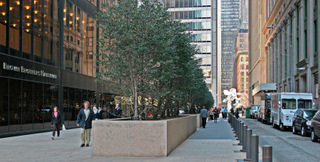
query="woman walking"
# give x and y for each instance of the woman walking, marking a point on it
(56, 121)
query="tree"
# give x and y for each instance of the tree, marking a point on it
(148, 58)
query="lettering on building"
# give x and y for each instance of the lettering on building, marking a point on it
(25, 70)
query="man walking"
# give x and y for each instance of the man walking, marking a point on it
(84, 121)
(204, 116)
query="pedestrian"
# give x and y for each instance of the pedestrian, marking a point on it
(56, 122)
(222, 112)
(84, 121)
(204, 116)
(237, 113)
(95, 111)
(211, 113)
(215, 113)
(117, 111)
(100, 113)
(242, 111)
(225, 112)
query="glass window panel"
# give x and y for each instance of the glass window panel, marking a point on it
(79, 101)
(26, 33)
(37, 23)
(73, 106)
(38, 105)
(3, 26)
(48, 104)
(15, 105)
(3, 105)
(51, 32)
(27, 105)
(14, 28)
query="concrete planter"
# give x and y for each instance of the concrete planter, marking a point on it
(128, 138)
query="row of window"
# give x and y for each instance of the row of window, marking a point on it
(33, 34)
(26, 106)
(187, 3)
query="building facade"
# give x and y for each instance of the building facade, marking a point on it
(242, 66)
(229, 13)
(46, 56)
(289, 35)
(201, 17)
(242, 78)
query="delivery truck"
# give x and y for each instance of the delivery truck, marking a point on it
(284, 105)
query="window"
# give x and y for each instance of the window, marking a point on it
(304, 103)
(309, 114)
(288, 104)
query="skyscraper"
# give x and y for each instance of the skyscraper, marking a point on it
(228, 19)
(201, 17)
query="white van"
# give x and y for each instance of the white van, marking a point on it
(285, 104)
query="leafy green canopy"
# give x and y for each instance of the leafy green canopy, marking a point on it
(148, 58)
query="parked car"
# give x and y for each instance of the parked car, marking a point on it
(315, 127)
(302, 121)
(254, 111)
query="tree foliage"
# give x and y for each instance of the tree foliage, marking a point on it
(149, 59)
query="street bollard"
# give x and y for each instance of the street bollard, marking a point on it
(244, 131)
(266, 153)
(248, 155)
(254, 148)
(241, 134)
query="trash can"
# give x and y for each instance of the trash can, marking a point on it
(248, 112)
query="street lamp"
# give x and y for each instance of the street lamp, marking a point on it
(291, 59)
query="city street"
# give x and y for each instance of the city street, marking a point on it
(286, 145)
(215, 143)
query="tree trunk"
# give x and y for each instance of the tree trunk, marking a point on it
(135, 93)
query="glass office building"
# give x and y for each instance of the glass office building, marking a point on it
(46, 57)
(201, 17)
(230, 13)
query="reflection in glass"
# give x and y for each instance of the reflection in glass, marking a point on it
(3, 105)
(51, 32)
(48, 104)
(3, 24)
(37, 23)
(27, 109)
(38, 105)
(26, 32)
(15, 105)
(14, 28)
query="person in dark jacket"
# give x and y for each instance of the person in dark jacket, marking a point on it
(84, 121)
(204, 116)
(100, 113)
(56, 121)
(237, 113)
(117, 111)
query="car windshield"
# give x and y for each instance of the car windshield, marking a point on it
(309, 113)
(254, 107)
(305, 104)
(288, 104)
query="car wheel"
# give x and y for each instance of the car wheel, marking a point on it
(281, 127)
(294, 131)
(314, 138)
(303, 131)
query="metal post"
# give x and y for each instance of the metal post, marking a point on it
(254, 148)
(240, 134)
(244, 131)
(266, 153)
(248, 155)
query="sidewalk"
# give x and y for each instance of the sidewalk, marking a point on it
(214, 143)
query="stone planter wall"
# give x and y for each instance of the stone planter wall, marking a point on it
(127, 138)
